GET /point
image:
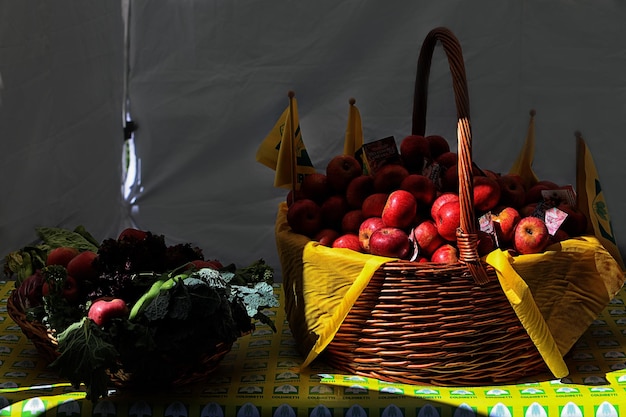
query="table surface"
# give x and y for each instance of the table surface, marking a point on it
(260, 376)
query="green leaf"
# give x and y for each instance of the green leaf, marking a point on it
(86, 354)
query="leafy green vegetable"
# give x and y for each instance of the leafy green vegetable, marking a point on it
(56, 237)
(24, 262)
(86, 354)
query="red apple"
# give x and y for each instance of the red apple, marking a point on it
(200, 264)
(326, 237)
(414, 150)
(374, 204)
(447, 159)
(445, 254)
(575, 223)
(390, 242)
(448, 220)
(485, 244)
(351, 221)
(290, 197)
(486, 193)
(341, 170)
(400, 209)
(348, 241)
(422, 188)
(82, 267)
(367, 227)
(389, 178)
(527, 209)
(359, 189)
(427, 237)
(440, 201)
(132, 234)
(315, 186)
(531, 235)
(105, 309)
(437, 145)
(559, 236)
(504, 223)
(61, 255)
(305, 217)
(512, 191)
(333, 209)
(533, 194)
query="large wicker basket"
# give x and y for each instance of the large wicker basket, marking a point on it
(430, 323)
(174, 373)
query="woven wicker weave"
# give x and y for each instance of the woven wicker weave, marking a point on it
(176, 374)
(432, 323)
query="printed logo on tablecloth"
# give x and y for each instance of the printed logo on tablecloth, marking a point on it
(582, 356)
(462, 393)
(104, 408)
(321, 411)
(568, 391)
(532, 392)
(253, 378)
(601, 333)
(255, 365)
(595, 380)
(392, 390)
(287, 364)
(357, 411)
(321, 390)
(497, 392)
(259, 343)
(588, 367)
(392, 410)
(5, 350)
(428, 410)
(355, 390)
(286, 389)
(599, 322)
(248, 410)
(212, 410)
(24, 364)
(606, 409)
(139, 408)
(536, 410)
(284, 410)
(291, 353)
(571, 410)
(286, 375)
(614, 354)
(500, 410)
(250, 390)
(258, 354)
(215, 391)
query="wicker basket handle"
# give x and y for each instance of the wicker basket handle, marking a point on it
(467, 237)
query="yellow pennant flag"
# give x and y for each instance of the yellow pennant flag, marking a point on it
(523, 163)
(354, 131)
(283, 150)
(591, 200)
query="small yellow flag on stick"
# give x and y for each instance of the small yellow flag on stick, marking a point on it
(354, 131)
(283, 149)
(590, 200)
(523, 164)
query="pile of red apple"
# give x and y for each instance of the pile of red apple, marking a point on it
(405, 211)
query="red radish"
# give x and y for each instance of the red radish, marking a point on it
(132, 234)
(81, 267)
(104, 309)
(61, 255)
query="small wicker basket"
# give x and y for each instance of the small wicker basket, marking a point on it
(432, 323)
(174, 372)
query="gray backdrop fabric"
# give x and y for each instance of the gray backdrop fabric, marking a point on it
(207, 80)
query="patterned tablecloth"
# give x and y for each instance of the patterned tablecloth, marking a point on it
(261, 377)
